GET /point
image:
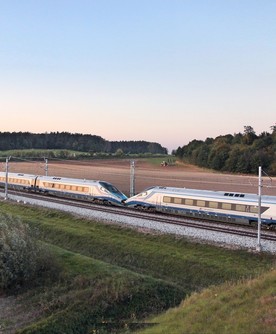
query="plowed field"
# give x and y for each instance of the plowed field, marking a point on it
(146, 175)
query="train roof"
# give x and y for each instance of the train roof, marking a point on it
(54, 178)
(209, 193)
(19, 175)
(67, 180)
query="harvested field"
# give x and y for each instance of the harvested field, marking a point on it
(146, 175)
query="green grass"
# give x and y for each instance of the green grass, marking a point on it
(40, 153)
(245, 307)
(93, 292)
(112, 272)
(192, 266)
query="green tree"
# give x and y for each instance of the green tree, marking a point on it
(231, 163)
(249, 135)
(119, 152)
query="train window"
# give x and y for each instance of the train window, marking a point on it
(254, 209)
(226, 206)
(189, 201)
(200, 203)
(67, 187)
(177, 200)
(109, 187)
(213, 205)
(167, 199)
(240, 207)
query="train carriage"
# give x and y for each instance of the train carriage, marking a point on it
(231, 207)
(17, 180)
(93, 190)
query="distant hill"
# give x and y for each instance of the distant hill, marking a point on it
(76, 142)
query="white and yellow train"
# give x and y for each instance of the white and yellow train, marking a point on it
(95, 191)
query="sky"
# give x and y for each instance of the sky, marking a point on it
(165, 71)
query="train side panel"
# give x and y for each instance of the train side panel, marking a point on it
(219, 206)
(18, 180)
(96, 191)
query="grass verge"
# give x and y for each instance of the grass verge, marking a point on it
(245, 307)
(115, 275)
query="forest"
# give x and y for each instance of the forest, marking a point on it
(76, 142)
(238, 153)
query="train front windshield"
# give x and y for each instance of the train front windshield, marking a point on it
(111, 188)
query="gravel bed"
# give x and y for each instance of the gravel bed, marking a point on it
(219, 238)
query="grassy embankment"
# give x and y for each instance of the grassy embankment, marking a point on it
(113, 277)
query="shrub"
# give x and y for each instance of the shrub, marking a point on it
(23, 260)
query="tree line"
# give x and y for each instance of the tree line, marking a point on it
(238, 153)
(76, 142)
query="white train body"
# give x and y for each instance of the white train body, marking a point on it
(95, 191)
(212, 205)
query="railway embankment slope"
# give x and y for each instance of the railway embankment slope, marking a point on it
(112, 278)
(248, 306)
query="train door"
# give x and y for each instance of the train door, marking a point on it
(158, 202)
(35, 183)
(161, 205)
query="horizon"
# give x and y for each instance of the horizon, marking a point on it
(169, 151)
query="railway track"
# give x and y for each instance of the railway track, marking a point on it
(243, 231)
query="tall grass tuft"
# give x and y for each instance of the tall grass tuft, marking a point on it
(23, 260)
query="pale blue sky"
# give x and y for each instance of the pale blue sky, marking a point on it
(166, 71)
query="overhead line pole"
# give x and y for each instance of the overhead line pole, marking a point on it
(259, 246)
(7, 177)
(132, 178)
(46, 166)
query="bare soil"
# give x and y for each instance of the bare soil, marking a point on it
(147, 175)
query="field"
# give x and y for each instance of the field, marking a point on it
(148, 172)
(112, 279)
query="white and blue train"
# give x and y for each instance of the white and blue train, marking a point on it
(238, 208)
(229, 207)
(100, 192)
